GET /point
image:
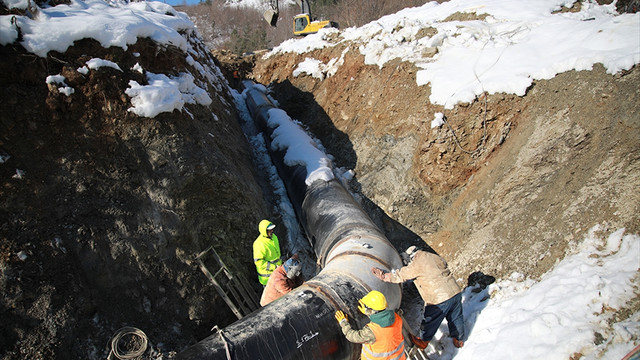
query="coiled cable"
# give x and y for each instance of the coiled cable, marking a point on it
(128, 343)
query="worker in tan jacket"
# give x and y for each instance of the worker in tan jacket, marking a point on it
(438, 289)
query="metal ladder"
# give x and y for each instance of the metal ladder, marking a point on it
(241, 299)
(413, 353)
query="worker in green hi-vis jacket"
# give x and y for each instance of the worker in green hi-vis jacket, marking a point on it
(266, 251)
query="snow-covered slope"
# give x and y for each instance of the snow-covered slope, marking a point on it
(467, 47)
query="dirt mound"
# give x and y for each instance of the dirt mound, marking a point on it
(505, 185)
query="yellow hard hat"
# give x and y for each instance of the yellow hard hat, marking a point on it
(374, 300)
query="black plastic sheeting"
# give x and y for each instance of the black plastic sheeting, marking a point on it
(301, 324)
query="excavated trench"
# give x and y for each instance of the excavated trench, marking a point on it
(347, 244)
(103, 229)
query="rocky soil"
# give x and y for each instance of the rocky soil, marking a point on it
(508, 185)
(103, 211)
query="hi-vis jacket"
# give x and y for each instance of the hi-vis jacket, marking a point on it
(381, 338)
(266, 253)
(389, 342)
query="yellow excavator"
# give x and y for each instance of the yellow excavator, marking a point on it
(303, 23)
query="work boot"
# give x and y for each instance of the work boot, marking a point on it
(418, 342)
(458, 343)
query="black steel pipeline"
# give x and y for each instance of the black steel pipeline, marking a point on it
(301, 324)
(293, 177)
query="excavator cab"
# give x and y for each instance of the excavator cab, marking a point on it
(302, 25)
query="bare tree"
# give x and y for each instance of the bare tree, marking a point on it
(359, 12)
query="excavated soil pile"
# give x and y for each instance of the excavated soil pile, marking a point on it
(507, 185)
(103, 211)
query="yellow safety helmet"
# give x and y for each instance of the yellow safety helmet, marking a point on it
(374, 300)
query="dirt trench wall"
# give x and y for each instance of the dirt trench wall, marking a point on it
(506, 188)
(103, 211)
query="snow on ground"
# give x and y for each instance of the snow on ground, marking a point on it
(60, 80)
(110, 23)
(95, 64)
(119, 24)
(517, 43)
(164, 94)
(559, 315)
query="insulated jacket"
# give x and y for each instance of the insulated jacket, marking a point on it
(381, 338)
(389, 343)
(278, 285)
(431, 276)
(266, 253)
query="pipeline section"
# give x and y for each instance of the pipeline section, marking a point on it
(301, 324)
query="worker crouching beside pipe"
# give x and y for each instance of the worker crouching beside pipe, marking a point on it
(282, 280)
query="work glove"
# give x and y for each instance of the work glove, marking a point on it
(379, 273)
(340, 316)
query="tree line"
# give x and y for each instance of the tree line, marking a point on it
(243, 30)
